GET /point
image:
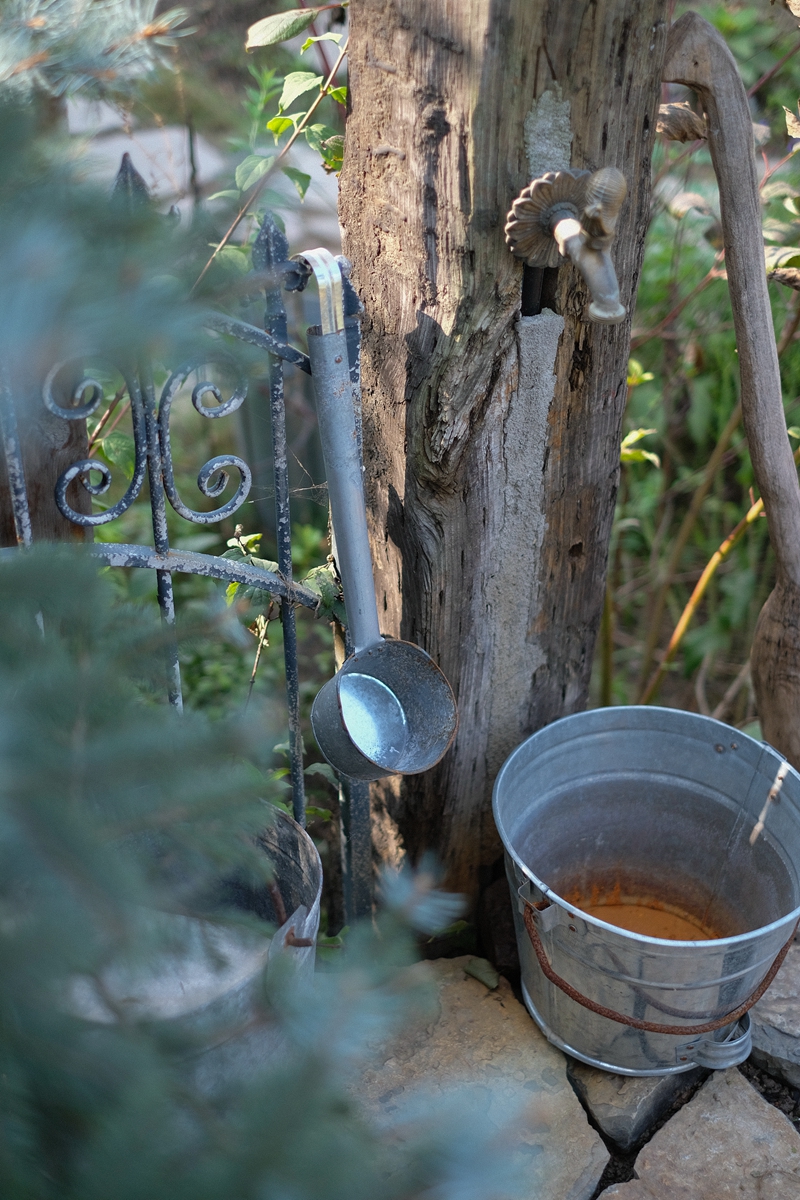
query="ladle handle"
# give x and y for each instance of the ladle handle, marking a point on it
(330, 373)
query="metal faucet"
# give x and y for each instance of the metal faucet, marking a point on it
(573, 214)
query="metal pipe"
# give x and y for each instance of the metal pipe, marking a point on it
(596, 268)
(337, 428)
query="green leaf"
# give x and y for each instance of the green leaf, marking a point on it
(120, 450)
(266, 564)
(235, 257)
(297, 83)
(333, 941)
(635, 436)
(640, 456)
(451, 931)
(325, 770)
(317, 814)
(228, 194)
(324, 37)
(331, 603)
(250, 541)
(230, 593)
(775, 189)
(299, 179)
(250, 171)
(280, 27)
(482, 970)
(279, 125)
(781, 256)
(333, 152)
(628, 454)
(339, 94)
(637, 375)
(777, 231)
(794, 432)
(316, 135)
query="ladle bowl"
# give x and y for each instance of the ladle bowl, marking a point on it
(388, 710)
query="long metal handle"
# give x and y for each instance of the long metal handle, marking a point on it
(330, 373)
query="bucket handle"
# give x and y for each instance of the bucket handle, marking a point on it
(635, 1022)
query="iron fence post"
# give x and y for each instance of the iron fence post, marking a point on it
(271, 248)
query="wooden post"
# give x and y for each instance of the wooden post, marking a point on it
(49, 445)
(491, 437)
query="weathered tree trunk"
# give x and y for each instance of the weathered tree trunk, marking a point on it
(491, 437)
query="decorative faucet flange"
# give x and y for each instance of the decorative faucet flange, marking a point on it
(573, 214)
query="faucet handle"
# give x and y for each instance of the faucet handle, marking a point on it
(573, 214)
(538, 209)
(605, 194)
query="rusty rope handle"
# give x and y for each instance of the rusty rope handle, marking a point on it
(648, 1026)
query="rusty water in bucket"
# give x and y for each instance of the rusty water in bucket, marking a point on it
(643, 914)
(647, 914)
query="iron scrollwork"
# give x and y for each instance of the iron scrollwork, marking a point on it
(84, 469)
(212, 479)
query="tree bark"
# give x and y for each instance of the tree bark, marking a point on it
(491, 437)
(49, 446)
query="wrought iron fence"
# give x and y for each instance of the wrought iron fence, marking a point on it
(150, 413)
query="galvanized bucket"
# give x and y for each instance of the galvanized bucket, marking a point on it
(653, 803)
(205, 999)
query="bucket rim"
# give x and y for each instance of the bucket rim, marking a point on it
(654, 710)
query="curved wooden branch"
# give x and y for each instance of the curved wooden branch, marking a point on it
(698, 57)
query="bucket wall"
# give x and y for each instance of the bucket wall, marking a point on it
(206, 998)
(658, 804)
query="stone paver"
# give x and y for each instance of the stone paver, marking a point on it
(727, 1143)
(484, 1049)
(776, 1023)
(627, 1107)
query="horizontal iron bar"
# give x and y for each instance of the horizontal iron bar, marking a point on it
(229, 570)
(257, 337)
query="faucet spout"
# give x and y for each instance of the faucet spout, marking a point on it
(573, 214)
(597, 269)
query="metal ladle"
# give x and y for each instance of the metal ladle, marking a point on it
(389, 709)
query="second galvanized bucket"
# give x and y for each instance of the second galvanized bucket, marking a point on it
(651, 807)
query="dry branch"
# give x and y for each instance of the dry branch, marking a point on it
(698, 57)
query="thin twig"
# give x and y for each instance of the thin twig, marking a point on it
(320, 46)
(262, 183)
(721, 711)
(669, 163)
(700, 685)
(125, 408)
(765, 78)
(701, 586)
(101, 424)
(783, 771)
(770, 171)
(682, 537)
(791, 327)
(263, 618)
(646, 335)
